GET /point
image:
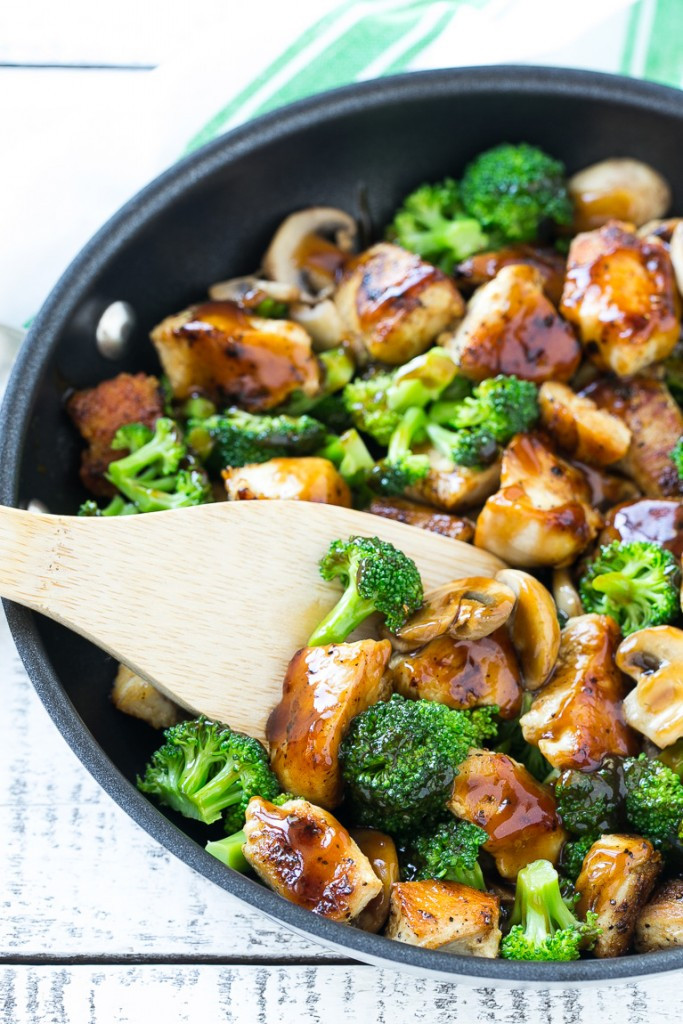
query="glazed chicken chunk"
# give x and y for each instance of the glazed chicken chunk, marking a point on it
(229, 355)
(450, 487)
(445, 915)
(498, 794)
(484, 266)
(135, 696)
(577, 425)
(617, 877)
(578, 717)
(542, 514)
(394, 305)
(404, 511)
(621, 294)
(306, 478)
(512, 327)
(99, 412)
(645, 405)
(324, 688)
(660, 924)
(305, 855)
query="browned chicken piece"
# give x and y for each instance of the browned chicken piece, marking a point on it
(404, 511)
(380, 850)
(483, 267)
(450, 487)
(307, 478)
(394, 304)
(462, 673)
(659, 521)
(445, 915)
(135, 696)
(512, 327)
(621, 294)
(99, 412)
(617, 877)
(307, 856)
(466, 609)
(498, 794)
(645, 405)
(225, 353)
(660, 924)
(581, 429)
(324, 688)
(653, 658)
(578, 717)
(607, 489)
(542, 514)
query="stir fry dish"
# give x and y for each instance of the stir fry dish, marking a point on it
(497, 769)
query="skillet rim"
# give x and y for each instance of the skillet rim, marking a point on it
(14, 421)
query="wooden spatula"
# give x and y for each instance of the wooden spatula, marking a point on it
(207, 603)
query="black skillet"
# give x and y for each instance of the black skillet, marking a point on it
(210, 217)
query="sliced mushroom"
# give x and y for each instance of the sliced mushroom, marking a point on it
(566, 595)
(653, 657)
(380, 850)
(466, 609)
(250, 291)
(618, 189)
(533, 626)
(676, 254)
(322, 321)
(309, 250)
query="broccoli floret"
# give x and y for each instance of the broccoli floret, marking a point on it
(590, 803)
(377, 578)
(118, 506)
(205, 770)
(351, 457)
(543, 927)
(677, 457)
(401, 468)
(511, 742)
(450, 850)
(197, 408)
(271, 309)
(474, 448)
(236, 438)
(229, 851)
(337, 368)
(503, 406)
(151, 475)
(516, 190)
(432, 223)
(654, 803)
(573, 855)
(399, 760)
(637, 583)
(366, 401)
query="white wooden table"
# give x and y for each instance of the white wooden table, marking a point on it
(99, 923)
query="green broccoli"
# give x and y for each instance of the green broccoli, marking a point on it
(573, 855)
(672, 757)
(229, 851)
(366, 402)
(236, 438)
(677, 457)
(118, 506)
(503, 406)
(516, 190)
(654, 803)
(450, 850)
(399, 760)
(197, 407)
(351, 457)
(432, 223)
(637, 583)
(205, 770)
(337, 368)
(400, 468)
(151, 475)
(590, 803)
(542, 925)
(475, 448)
(511, 742)
(271, 309)
(376, 577)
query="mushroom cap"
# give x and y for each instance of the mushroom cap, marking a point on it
(619, 188)
(283, 260)
(322, 321)
(249, 290)
(653, 657)
(533, 626)
(467, 609)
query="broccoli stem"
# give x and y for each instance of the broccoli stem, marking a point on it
(229, 851)
(539, 892)
(222, 791)
(474, 877)
(347, 615)
(616, 585)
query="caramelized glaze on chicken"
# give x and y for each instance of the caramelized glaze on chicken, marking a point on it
(581, 429)
(222, 351)
(512, 327)
(578, 717)
(660, 924)
(325, 687)
(404, 511)
(307, 478)
(446, 916)
(657, 521)
(484, 266)
(450, 487)
(305, 855)
(498, 794)
(394, 304)
(621, 294)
